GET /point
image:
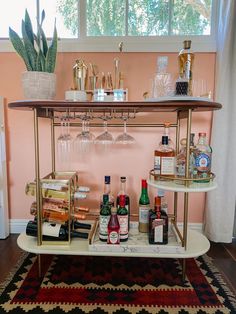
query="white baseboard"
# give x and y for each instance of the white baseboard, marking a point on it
(19, 225)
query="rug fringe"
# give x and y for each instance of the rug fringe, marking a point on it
(227, 290)
(13, 271)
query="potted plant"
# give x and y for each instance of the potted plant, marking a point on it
(39, 81)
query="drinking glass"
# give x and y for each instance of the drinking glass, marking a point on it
(84, 140)
(125, 138)
(106, 137)
(64, 141)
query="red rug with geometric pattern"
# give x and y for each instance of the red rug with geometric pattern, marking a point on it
(99, 285)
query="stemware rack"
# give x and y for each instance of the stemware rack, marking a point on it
(183, 110)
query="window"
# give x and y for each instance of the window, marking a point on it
(146, 24)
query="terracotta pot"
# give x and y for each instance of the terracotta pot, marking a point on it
(39, 85)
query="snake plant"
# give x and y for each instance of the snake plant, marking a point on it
(34, 49)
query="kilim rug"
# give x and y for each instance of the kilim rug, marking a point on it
(99, 285)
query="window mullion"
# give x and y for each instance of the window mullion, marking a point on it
(171, 8)
(126, 17)
(82, 19)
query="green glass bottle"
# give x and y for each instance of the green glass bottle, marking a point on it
(123, 217)
(144, 207)
(105, 213)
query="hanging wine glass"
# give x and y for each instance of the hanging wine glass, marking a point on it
(64, 141)
(85, 139)
(125, 138)
(106, 138)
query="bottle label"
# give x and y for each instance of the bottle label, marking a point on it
(103, 223)
(113, 237)
(168, 165)
(157, 225)
(203, 162)
(144, 214)
(123, 221)
(49, 229)
(157, 165)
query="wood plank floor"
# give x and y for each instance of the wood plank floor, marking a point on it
(223, 255)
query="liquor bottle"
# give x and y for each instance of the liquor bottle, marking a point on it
(164, 203)
(123, 192)
(181, 158)
(50, 191)
(186, 59)
(113, 228)
(166, 132)
(107, 190)
(52, 215)
(123, 217)
(162, 83)
(164, 159)
(53, 232)
(104, 217)
(158, 224)
(144, 207)
(202, 157)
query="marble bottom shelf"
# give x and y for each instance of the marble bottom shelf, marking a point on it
(197, 245)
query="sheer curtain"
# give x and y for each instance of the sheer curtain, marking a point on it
(220, 205)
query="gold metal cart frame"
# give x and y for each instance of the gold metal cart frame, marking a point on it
(49, 109)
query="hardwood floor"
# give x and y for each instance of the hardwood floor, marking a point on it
(223, 255)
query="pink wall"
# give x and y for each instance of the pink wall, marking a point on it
(134, 162)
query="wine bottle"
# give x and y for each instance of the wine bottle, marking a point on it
(127, 198)
(113, 228)
(81, 225)
(104, 217)
(62, 193)
(53, 215)
(144, 207)
(123, 217)
(53, 232)
(158, 224)
(107, 190)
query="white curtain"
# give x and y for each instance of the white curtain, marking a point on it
(220, 205)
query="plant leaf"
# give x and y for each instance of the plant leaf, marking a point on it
(41, 62)
(44, 41)
(52, 53)
(28, 27)
(19, 47)
(29, 48)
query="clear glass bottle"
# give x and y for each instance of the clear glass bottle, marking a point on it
(162, 82)
(123, 217)
(104, 217)
(185, 60)
(158, 224)
(123, 192)
(144, 207)
(164, 159)
(202, 158)
(181, 158)
(107, 190)
(113, 228)
(164, 203)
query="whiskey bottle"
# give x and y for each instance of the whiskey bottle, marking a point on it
(158, 224)
(185, 60)
(166, 132)
(164, 160)
(107, 190)
(144, 207)
(202, 158)
(104, 217)
(123, 192)
(123, 217)
(113, 228)
(53, 232)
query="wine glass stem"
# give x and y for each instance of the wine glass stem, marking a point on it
(105, 125)
(125, 126)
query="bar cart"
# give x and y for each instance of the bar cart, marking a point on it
(193, 243)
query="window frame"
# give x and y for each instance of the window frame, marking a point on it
(171, 43)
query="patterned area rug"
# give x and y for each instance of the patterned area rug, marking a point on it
(99, 285)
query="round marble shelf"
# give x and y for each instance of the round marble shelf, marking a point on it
(174, 187)
(197, 245)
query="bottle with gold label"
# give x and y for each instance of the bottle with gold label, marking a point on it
(186, 59)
